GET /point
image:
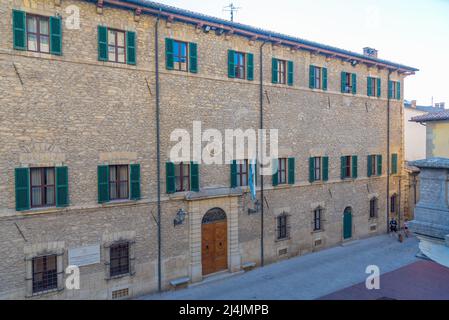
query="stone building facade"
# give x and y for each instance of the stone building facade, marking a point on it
(71, 109)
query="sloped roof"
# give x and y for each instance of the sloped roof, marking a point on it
(432, 116)
(408, 105)
(166, 9)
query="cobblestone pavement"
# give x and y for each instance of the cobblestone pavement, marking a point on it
(307, 277)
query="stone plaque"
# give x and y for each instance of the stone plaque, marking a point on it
(84, 256)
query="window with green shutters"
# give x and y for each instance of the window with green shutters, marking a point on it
(285, 171)
(373, 87)
(282, 72)
(240, 172)
(318, 169)
(116, 45)
(41, 187)
(37, 33)
(374, 165)
(240, 65)
(181, 56)
(348, 167)
(317, 77)
(118, 182)
(394, 90)
(348, 82)
(394, 163)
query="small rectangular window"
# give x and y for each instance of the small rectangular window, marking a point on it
(317, 167)
(182, 176)
(119, 259)
(282, 226)
(239, 65)
(42, 187)
(116, 46)
(318, 77)
(348, 82)
(38, 37)
(242, 173)
(317, 219)
(118, 182)
(45, 276)
(373, 208)
(282, 77)
(180, 55)
(282, 171)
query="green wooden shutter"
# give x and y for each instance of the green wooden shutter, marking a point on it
(250, 66)
(312, 77)
(62, 186)
(134, 181)
(290, 74)
(275, 174)
(398, 90)
(342, 167)
(169, 54)
(379, 165)
(343, 82)
(103, 183)
(354, 167)
(325, 168)
(354, 83)
(193, 57)
(394, 163)
(379, 88)
(130, 47)
(390, 89)
(291, 170)
(102, 43)
(194, 177)
(22, 180)
(369, 89)
(274, 70)
(311, 170)
(231, 64)
(324, 86)
(56, 35)
(233, 174)
(369, 166)
(170, 177)
(19, 30)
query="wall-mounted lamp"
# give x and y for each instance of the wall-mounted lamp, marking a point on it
(180, 217)
(219, 32)
(206, 28)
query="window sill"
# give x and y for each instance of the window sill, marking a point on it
(317, 231)
(281, 240)
(42, 210)
(45, 292)
(283, 186)
(113, 203)
(119, 276)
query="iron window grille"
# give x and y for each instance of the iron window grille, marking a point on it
(45, 275)
(317, 219)
(119, 259)
(283, 229)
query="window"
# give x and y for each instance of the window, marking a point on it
(42, 187)
(346, 167)
(281, 74)
(394, 90)
(182, 177)
(38, 39)
(393, 203)
(317, 168)
(282, 171)
(317, 215)
(373, 208)
(373, 87)
(118, 182)
(119, 259)
(242, 173)
(282, 232)
(373, 164)
(45, 276)
(116, 46)
(347, 82)
(180, 56)
(239, 64)
(318, 77)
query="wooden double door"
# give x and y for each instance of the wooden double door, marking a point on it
(214, 248)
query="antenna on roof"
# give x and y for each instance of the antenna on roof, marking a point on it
(231, 9)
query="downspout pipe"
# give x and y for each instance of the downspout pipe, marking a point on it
(158, 155)
(388, 151)
(261, 175)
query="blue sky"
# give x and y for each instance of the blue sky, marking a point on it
(411, 32)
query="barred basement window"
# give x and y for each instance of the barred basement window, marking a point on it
(282, 226)
(317, 216)
(45, 276)
(119, 259)
(373, 208)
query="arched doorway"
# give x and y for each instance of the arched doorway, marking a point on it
(214, 241)
(347, 223)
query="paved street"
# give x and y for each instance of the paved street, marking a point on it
(307, 277)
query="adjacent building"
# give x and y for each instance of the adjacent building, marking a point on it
(86, 179)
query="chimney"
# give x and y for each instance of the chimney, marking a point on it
(370, 52)
(413, 104)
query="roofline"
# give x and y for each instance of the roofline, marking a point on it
(173, 13)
